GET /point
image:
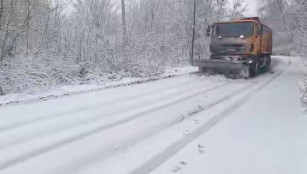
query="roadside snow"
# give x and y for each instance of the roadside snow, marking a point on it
(61, 91)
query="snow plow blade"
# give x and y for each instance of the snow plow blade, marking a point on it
(220, 64)
(230, 68)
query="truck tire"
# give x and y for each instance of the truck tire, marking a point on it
(203, 69)
(253, 69)
(267, 65)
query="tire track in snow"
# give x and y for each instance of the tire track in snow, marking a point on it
(10, 162)
(63, 114)
(174, 148)
(179, 119)
(52, 97)
(79, 120)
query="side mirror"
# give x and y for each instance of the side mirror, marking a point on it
(261, 29)
(208, 30)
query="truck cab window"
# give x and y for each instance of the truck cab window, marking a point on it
(234, 29)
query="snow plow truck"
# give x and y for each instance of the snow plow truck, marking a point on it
(242, 47)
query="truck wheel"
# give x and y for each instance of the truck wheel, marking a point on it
(268, 63)
(253, 69)
(203, 69)
(266, 68)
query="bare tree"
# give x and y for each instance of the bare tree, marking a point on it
(1, 12)
(237, 10)
(42, 46)
(124, 23)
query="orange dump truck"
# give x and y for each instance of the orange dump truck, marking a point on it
(243, 46)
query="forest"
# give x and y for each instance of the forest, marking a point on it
(46, 43)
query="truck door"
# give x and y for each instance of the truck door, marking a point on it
(258, 43)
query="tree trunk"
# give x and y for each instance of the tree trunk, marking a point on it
(124, 25)
(28, 23)
(193, 30)
(1, 91)
(1, 11)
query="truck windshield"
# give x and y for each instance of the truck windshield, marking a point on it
(234, 29)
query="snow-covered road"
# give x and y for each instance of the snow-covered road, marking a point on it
(186, 124)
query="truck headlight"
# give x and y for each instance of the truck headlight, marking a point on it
(243, 48)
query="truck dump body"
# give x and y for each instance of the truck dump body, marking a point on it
(267, 39)
(244, 45)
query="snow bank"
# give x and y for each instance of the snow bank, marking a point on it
(67, 90)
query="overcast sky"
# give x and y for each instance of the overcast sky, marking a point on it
(252, 6)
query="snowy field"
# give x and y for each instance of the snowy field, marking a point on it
(186, 124)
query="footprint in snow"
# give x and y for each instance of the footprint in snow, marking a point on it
(183, 163)
(179, 167)
(193, 113)
(196, 121)
(122, 149)
(201, 149)
(182, 118)
(186, 133)
(176, 169)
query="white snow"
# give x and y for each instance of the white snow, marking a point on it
(266, 135)
(186, 124)
(60, 91)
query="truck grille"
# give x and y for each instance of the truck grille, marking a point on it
(228, 49)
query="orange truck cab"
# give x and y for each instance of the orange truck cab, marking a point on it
(244, 45)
